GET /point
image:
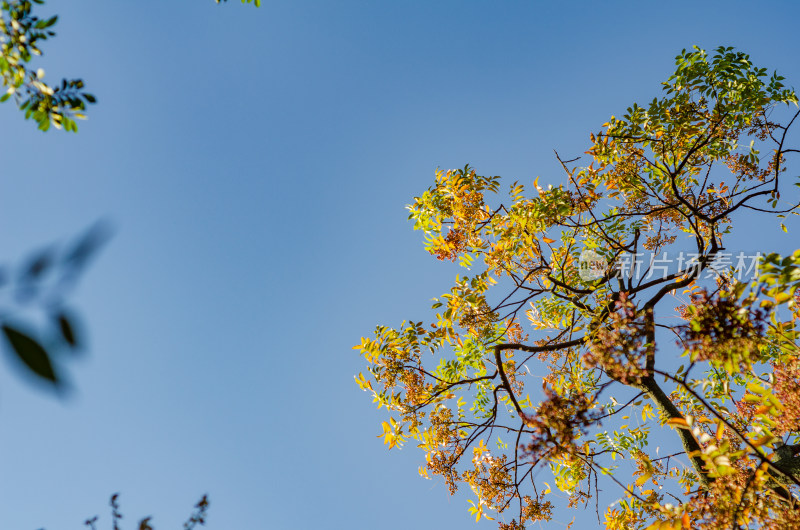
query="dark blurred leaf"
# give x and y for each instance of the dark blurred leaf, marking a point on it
(88, 244)
(31, 353)
(38, 265)
(31, 274)
(67, 329)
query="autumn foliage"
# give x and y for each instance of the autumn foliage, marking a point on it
(534, 361)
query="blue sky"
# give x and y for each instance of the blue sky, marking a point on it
(255, 164)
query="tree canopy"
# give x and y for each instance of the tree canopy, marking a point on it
(601, 313)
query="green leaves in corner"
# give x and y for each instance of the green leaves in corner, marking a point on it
(21, 36)
(31, 353)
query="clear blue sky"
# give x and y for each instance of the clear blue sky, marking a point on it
(256, 164)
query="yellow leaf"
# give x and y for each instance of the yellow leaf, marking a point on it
(763, 440)
(782, 297)
(678, 422)
(665, 525)
(548, 240)
(363, 383)
(386, 429)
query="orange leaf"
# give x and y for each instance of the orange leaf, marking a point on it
(678, 422)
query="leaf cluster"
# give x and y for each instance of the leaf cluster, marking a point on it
(21, 36)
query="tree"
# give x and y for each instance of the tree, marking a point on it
(630, 348)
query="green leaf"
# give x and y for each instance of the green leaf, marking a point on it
(31, 353)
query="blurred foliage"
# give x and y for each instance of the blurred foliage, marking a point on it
(198, 517)
(256, 2)
(37, 289)
(35, 298)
